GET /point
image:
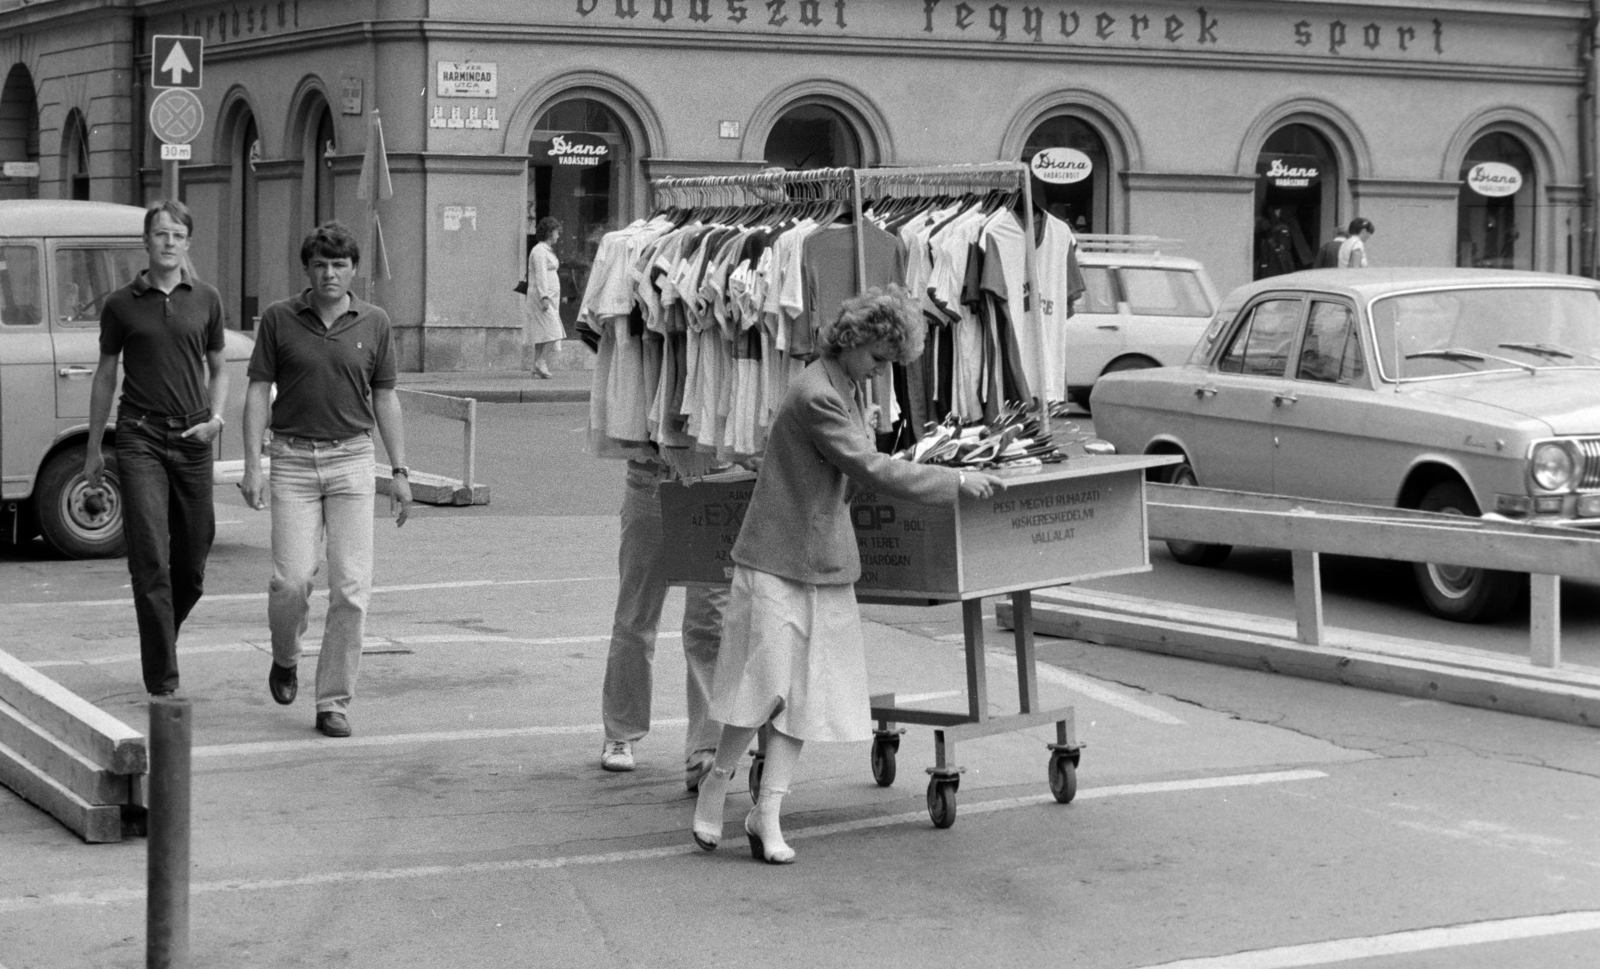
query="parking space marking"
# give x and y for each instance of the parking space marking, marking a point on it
(444, 736)
(377, 590)
(137, 894)
(397, 739)
(1397, 943)
(1087, 687)
(370, 646)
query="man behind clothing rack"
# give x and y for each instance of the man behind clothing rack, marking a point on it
(330, 354)
(167, 327)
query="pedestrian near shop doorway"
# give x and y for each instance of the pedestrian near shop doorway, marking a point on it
(331, 355)
(1328, 254)
(541, 305)
(1353, 253)
(166, 327)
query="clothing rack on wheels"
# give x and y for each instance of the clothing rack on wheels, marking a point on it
(978, 549)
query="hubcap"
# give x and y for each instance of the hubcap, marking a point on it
(89, 512)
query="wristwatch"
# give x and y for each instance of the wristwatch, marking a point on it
(221, 421)
(401, 469)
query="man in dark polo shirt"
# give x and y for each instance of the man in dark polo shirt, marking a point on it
(331, 356)
(167, 327)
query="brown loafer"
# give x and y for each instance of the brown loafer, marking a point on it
(333, 723)
(283, 682)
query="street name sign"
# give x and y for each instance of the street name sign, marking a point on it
(175, 61)
(176, 116)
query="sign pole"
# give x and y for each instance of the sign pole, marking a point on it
(169, 180)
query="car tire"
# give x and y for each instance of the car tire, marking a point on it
(69, 519)
(1194, 553)
(1458, 593)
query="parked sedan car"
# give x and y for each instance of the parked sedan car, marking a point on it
(1141, 307)
(1455, 390)
(59, 260)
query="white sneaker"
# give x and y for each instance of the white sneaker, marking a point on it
(617, 755)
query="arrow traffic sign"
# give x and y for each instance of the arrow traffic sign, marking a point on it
(175, 61)
(176, 116)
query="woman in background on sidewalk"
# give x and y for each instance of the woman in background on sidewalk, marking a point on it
(791, 644)
(541, 305)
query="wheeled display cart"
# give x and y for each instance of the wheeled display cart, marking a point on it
(1078, 520)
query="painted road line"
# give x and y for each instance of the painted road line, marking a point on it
(397, 739)
(445, 736)
(323, 593)
(137, 894)
(372, 646)
(1397, 943)
(1085, 686)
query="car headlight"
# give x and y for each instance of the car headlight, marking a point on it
(1552, 466)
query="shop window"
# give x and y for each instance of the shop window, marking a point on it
(813, 136)
(320, 160)
(580, 170)
(19, 133)
(1297, 183)
(75, 156)
(1072, 173)
(1495, 215)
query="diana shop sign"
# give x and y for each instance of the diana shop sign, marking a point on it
(574, 148)
(1494, 179)
(1291, 173)
(466, 79)
(1061, 166)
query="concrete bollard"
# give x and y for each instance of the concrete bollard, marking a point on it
(167, 913)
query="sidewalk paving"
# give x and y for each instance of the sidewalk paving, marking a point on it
(568, 382)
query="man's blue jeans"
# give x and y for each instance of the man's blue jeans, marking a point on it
(641, 565)
(170, 522)
(322, 495)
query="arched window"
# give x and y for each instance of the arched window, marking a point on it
(319, 155)
(75, 156)
(813, 135)
(240, 226)
(1297, 199)
(1495, 214)
(581, 171)
(1073, 180)
(19, 133)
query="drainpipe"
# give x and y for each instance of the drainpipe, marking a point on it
(1586, 143)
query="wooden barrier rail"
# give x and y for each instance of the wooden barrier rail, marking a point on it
(64, 754)
(1309, 528)
(434, 489)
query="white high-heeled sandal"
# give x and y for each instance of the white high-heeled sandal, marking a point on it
(767, 846)
(707, 826)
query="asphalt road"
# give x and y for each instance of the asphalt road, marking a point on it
(1225, 818)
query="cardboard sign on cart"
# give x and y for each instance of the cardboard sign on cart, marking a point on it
(1081, 519)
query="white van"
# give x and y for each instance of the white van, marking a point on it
(1140, 308)
(59, 261)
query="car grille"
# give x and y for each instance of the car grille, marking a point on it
(1589, 472)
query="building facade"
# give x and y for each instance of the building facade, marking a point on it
(1247, 130)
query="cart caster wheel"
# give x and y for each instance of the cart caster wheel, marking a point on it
(758, 767)
(942, 802)
(1063, 778)
(883, 752)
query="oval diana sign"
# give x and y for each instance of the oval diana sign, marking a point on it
(1494, 179)
(1061, 166)
(573, 148)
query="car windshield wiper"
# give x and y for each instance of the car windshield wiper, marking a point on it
(1549, 350)
(1459, 355)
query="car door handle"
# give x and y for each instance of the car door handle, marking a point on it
(1279, 400)
(74, 372)
(1108, 326)
(1203, 392)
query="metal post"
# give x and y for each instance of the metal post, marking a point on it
(1030, 286)
(169, 180)
(167, 914)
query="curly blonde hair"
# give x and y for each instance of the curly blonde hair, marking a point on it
(888, 315)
